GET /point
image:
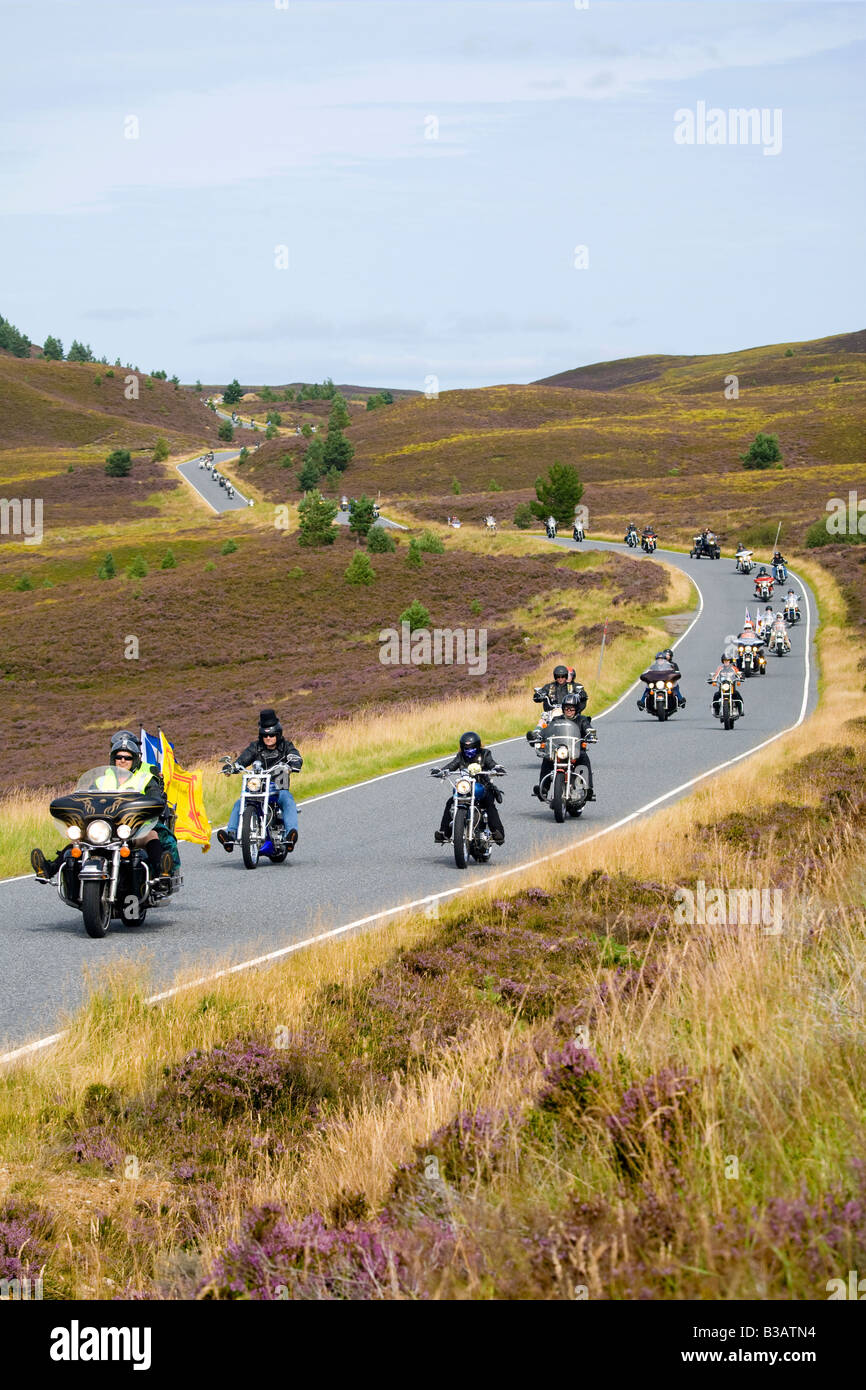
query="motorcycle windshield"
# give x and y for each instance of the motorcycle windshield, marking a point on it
(99, 795)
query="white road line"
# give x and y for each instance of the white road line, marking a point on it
(416, 903)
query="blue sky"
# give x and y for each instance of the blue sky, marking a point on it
(308, 126)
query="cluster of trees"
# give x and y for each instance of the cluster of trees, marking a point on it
(382, 398)
(331, 455)
(326, 391)
(13, 340)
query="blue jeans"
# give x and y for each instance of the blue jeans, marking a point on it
(287, 806)
(777, 573)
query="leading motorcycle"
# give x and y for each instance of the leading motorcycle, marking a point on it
(105, 871)
(565, 786)
(727, 710)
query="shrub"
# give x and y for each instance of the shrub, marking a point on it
(226, 431)
(819, 534)
(493, 486)
(232, 393)
(339, 417)
(359, 569)
(836, 378)
(558, 494)
(24, 583)
(380, 541)
(228, 547)
(523, 518)
(160, 450)
(338, 451)
(110, 372)
(414, 559)
(656, 1109)
(475, 606)
(209, 566)
(431, 543)
(274, 417)
(168, 562)
(763, 450)
(97, 380)
(244, 455)
(789, 352)
(107, 569)
(295, 572)
(307, 431)
(362, 514)
(455, 487)
(119, 463)
(138, 568)
(271, 432)
(416, 615)
(316, 520)
(308, 476)
(570, 1080)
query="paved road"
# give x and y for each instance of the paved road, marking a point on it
(203, 481)
(370, 848)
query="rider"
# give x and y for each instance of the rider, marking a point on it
(269, 749)
(666, 666)
(726, 670)
(571, 715)
(126, 772)
(550, 696)
(779, 625)
(551, 525)
(778, 560)
(471, 751)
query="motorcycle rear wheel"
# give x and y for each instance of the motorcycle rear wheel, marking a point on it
(94, 909)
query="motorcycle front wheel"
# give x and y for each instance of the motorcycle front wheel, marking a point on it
(250, 833)
(461, 837)
(95, 909)
(557, 798)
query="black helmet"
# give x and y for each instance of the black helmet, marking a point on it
(470, 746)
(269, 723)
(125, 742)
(569, 702)
(560, 671)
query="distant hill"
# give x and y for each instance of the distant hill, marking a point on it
(362, 392)
(70, 404)
(767, 364)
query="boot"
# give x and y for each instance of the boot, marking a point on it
(227, 840)
(291, 840)
(45, 869)
(498, 836)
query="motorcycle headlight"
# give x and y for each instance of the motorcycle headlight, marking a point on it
(73, 831)
(660, 685)
(254, 784)
(124, 832)
(562, 752)
(669, 685)
(99, 831)
(464, 787)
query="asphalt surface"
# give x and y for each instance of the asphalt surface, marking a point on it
(203, 481)
(367, 849)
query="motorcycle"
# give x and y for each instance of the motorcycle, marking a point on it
(764, 587)
(551, 530)
(470, 835)
(750, 660)
(490, 525)
(105, 872)
(728, 711)
(261, 827)
(777, 643)
(648, 542)
(344, 504)
(631, 537)
(230, 492)
(661, 700)
(705, 546)
(780, 573)
(577, 533)
(565, 786)
(792, 609)
(745, 563)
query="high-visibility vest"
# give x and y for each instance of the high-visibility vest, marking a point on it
(136, 782)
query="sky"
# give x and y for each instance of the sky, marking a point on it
(385, 191)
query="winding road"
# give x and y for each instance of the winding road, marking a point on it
(366, 852)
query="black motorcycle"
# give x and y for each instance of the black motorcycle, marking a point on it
(105, 871)
(661, 700)
(470, 833)
(631, 537)
(705, 546)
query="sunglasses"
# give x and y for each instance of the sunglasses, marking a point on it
(123, 758)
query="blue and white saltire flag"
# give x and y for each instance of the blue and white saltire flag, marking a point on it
(151, 749)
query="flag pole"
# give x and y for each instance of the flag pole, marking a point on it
(778, 530)
(601, 653)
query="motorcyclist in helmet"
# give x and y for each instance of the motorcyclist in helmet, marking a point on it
(571, 715)
(778, 562)
(726, 670)
(127, 772)
(269, 748)
(667, 669)
(550, 696)
(470, 751)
